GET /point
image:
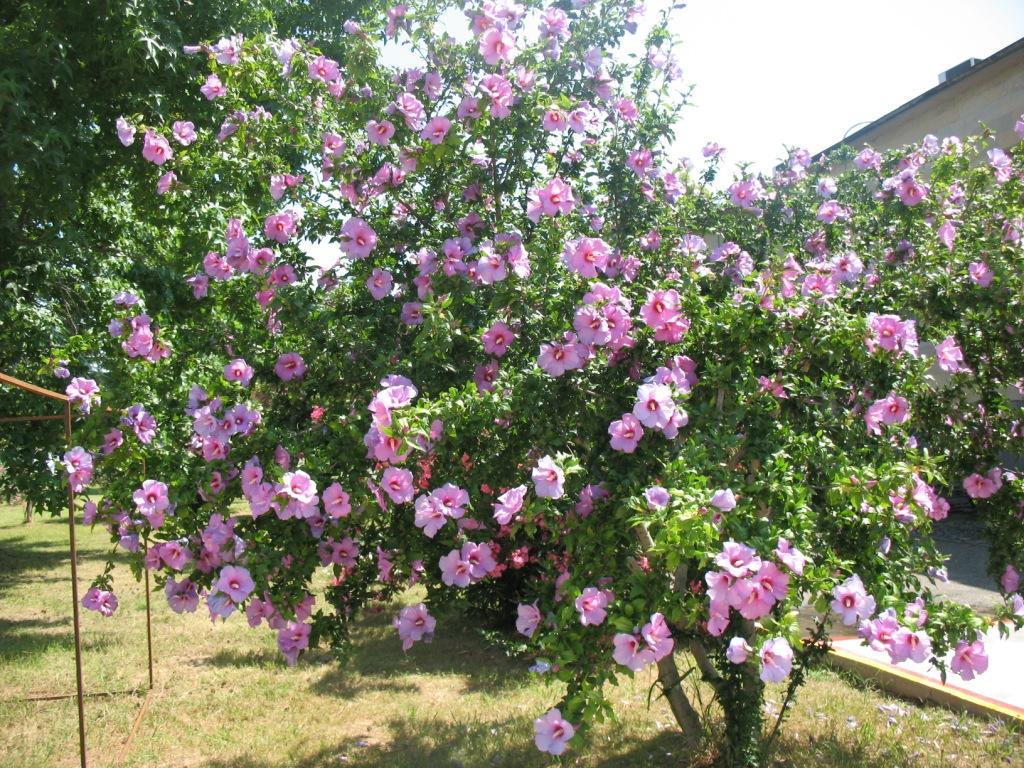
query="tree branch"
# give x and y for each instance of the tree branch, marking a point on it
(700, 655)
(686, 716)
(796, 678)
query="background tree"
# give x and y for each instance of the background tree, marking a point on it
(553, 374)
(68, 233)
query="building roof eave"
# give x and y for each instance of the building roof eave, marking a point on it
(930, 93)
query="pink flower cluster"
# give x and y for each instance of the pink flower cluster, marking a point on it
(434, 509)
(891, 334)
(655, 406)
(172, 555)
(79, 467)
(85, 393)
(217, 545)
(933, 505)
(737, 263)
(343, 553)
(498, 91)
(100, 600)
(906, 186)
(214, 428)
(1001, 165)
(257, 610)
(591, 605)
(747, 193)
(141, 422)
(415, 623)
(490, 267)
(602, 326)
(661, 312)
(397, 392)
(868, 158)
(141, 341)
(889, 410)
(886, 633)
(653, 643)
(461, 567)
(553, 199)
(152, 502)
(984, 486)
(745, 583)
(241, 257)
(281, 182)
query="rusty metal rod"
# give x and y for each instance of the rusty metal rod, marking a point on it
(15, 419)
(62, 696)
(74, 599)
(126, 747)
(80, 694)
(149, 612)
(149, 632)
(28, 387)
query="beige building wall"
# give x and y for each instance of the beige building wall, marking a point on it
(989, 93)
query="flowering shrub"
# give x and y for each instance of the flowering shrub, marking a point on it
(549, 372)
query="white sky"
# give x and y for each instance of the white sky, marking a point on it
(776, 73)
(803, 72)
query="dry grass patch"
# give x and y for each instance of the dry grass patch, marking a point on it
(224, 698)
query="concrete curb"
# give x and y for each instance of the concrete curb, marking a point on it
(914, 685)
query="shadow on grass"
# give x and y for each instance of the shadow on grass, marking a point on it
(20, 556)
(830, 750)
(416, 743)
(419, 742)
(432, 743)
(38, 550)
(21, 639)
(228, 657)
(376, 660)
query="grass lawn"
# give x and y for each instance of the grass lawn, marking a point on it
(224, 697)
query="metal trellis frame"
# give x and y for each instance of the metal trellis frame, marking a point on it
(80, 694)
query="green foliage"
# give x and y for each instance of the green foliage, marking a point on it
(785, 370)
